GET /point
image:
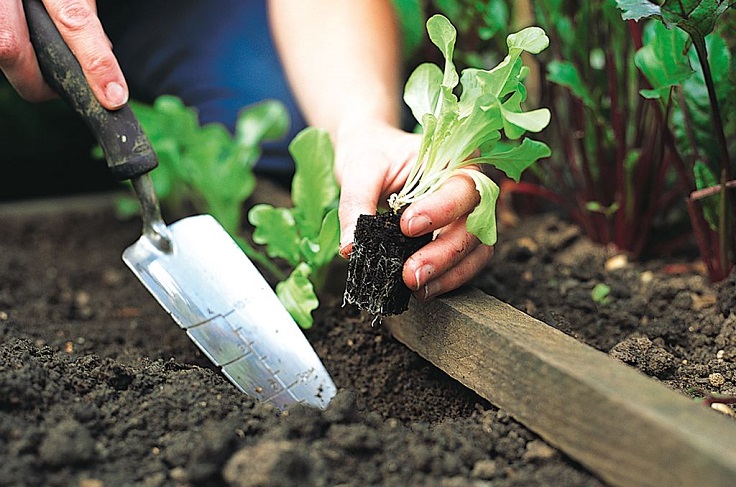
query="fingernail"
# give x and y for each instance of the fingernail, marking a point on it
(345, 250)
(116, 94)
(422, 274)
(418, 225)
(431, 289)
(346, 241)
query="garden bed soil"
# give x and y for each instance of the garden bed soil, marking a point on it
(99, 387)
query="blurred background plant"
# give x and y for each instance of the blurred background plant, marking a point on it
(205, 168)
(643, 131)
(642, 98)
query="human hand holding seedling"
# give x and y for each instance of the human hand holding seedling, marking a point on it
(374, 162)
(78, 24)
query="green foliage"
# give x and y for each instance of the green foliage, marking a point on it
(452, 129)
(662, 63)
(207, 164)
(205, 167)
(696, 17)
(411, 16)
(686, 37)
(307, 235)
(601, 293)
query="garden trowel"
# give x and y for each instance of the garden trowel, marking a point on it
(193, 268)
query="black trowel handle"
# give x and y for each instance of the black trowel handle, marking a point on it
(127, 149)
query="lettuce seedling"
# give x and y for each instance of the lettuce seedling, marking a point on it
(205, 166)
(454, 129)
(307, 235)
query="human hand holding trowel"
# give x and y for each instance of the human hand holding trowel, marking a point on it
(193, 268)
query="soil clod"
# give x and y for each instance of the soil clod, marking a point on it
(380, 249)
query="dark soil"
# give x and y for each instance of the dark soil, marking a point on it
(99, 387)
(374, 280)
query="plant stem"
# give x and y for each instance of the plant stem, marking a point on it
(261, 259)
(725, 223)
(705, 192)
(700, 49)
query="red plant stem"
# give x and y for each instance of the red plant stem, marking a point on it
(621, 229)
(635, 31)
(656, 188)
(523, 187)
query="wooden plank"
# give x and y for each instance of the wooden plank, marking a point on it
(622, 425)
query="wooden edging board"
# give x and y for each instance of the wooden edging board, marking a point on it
(622, 425)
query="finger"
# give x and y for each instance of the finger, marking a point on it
(455, 198)
(81, 29)
(358, 196)
(458, 275)
(17, 58)
(452, 244)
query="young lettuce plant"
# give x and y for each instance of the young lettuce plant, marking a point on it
(487, 117)
(206, 167)
(305, 236)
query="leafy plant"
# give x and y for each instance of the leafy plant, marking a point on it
(453, 129)
(612, 176)
(631, 143)
(205, 166)
(307, 235)
(601, 293)
(690, 100)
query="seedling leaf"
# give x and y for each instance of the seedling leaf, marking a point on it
(298, 296)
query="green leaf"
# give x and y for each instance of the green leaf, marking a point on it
(422, 90)
(275, 228)
(533, 121)
(696, 17)
(638, 9)
(314, 190)
(297, 295)
(601, 293)
(482, 220)
(515, 160)
(321, 251)
(268, 120)
(566, 74)
(598, 207)
(530, 39)
(443, 35)
(411, 16)
(205, 165)
(490, 101)
(661, 61)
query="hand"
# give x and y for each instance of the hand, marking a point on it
(371, 162)
(81, 29)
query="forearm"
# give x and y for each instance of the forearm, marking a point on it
(342, 59)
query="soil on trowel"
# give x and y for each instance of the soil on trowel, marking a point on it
(99, 387)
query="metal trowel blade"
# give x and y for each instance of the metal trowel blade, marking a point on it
(216, 294)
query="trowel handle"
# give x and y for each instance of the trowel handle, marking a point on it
(127, 149)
